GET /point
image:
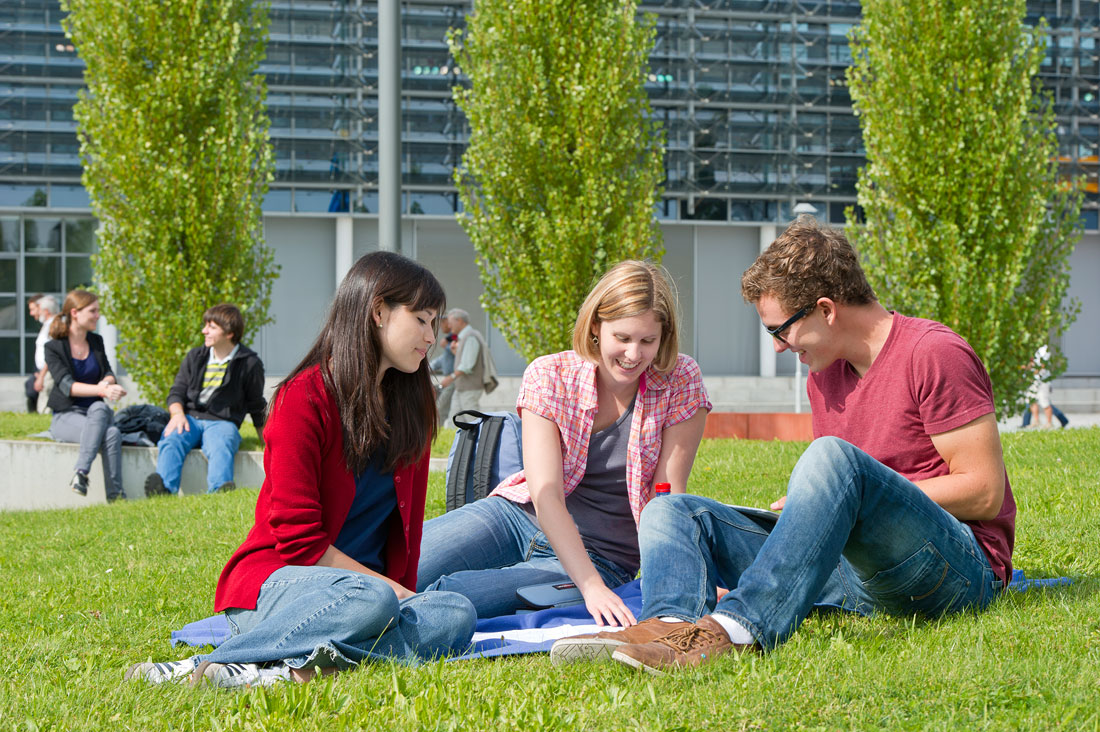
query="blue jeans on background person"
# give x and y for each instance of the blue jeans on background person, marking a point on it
(219, 439)
(328, 617)
(1058, 415)
(488, 549)
(853, 533)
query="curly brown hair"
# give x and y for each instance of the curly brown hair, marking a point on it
(806, 262)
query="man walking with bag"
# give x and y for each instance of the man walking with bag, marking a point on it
(474, 371)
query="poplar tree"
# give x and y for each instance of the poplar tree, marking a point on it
(561, 175)
(966, 218)
(174, 141)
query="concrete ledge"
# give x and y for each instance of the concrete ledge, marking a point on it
(786, 426)
(37, 474)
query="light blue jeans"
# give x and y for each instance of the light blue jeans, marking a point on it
(321, 616)
(219, 440)
(95, 431)
(853, 533)
(488, 549)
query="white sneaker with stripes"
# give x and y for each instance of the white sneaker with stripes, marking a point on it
(237, 675)
(159, 673)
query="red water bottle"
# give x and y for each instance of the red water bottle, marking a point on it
(662, 489)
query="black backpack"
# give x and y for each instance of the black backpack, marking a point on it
(487, 449)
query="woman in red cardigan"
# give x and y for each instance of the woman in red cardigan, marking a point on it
(326, 577)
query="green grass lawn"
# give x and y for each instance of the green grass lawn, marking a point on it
(85, 593)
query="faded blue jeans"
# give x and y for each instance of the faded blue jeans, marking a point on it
(95, 431)
(219, 440)
(322, 616)
(853, 533)
(488, 549)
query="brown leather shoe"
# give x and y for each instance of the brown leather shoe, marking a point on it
(690, 645)
(592, 646)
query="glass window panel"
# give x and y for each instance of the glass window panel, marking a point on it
(69, 197)
(22, 195)
(277, 200)
(80, 235)
(78, 272)
(42, 235)
(9, 234)
(368, 203)
(9, 314)
(313, 201)
(42, 274)
(30, 325)
(28, 359)
(431, 203)
(9, 356)
(7, 275)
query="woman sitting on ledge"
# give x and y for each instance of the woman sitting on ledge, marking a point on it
(82, 379)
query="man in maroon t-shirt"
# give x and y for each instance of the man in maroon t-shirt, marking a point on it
(901, 504)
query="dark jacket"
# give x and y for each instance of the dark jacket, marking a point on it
(59, 360)
(242, 390)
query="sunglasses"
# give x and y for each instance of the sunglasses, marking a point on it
(775, 332)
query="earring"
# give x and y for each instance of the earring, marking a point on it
(595, 340)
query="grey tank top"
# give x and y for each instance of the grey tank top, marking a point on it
(600, 506)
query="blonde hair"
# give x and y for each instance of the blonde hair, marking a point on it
(631, 288)
(75, 300)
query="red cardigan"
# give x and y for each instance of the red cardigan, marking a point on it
(307, 494)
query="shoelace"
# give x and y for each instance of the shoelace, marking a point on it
(688, 637)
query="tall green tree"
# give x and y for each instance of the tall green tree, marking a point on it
(174, 140)
(562, 172)
(966, 219)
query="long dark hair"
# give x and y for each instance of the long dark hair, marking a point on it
(401, 415)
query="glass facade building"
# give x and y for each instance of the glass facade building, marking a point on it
(751, 93)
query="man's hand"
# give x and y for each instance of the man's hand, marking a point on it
(178, 423)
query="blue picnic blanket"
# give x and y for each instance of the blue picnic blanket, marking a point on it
(504, 635)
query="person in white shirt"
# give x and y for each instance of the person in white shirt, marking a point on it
(44, 310)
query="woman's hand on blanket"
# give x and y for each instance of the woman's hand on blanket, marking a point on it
(779, 504)
(606, 607)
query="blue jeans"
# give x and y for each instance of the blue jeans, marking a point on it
(853, 533)
(219, 439)
(488, 549)
(321, 616)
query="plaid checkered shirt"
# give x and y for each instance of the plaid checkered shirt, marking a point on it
(561, 387)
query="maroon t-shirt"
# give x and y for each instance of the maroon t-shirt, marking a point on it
(925, 380)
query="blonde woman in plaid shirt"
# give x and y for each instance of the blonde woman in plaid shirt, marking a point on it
(602, 424)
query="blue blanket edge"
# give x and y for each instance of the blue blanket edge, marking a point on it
(214, 630)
